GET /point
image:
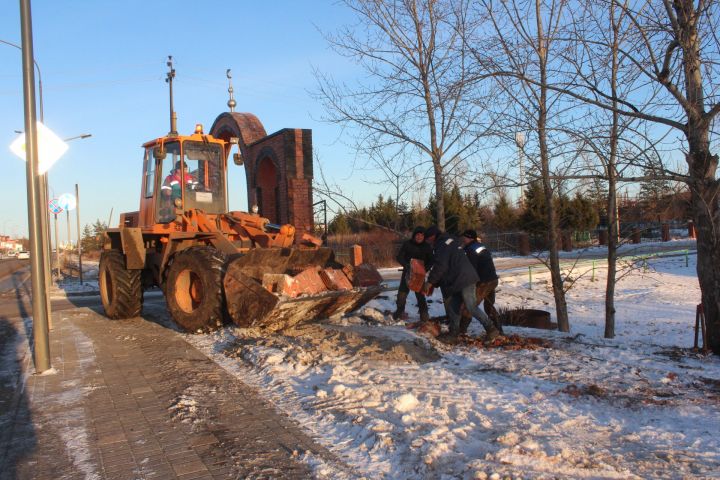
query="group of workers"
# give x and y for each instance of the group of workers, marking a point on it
(464, 271)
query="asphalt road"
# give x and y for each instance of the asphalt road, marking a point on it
(15, 290)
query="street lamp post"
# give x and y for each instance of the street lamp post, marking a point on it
(36, 210)
(43, 178)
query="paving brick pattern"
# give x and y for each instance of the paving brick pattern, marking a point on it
(132, 400)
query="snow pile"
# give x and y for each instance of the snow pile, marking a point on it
(392, 404)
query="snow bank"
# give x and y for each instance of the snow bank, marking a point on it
(638, 406)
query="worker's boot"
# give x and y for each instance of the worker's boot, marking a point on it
(448, 338)
(451, 337)
(492, 334)
(401, 300)
(464, 324)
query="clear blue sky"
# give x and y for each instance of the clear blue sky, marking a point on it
(103, 70)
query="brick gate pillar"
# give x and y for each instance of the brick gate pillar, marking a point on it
(278, 168)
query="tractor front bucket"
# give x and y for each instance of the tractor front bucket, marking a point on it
(251, 304)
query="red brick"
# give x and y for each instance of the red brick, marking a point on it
(309, 281)
(365, 275)
(277, 283)
(417, 275)
(335, 279)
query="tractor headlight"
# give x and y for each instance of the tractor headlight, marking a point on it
(178, 202)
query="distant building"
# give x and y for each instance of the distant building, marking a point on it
(8, 245)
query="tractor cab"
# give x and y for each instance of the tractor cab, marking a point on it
(183, 173)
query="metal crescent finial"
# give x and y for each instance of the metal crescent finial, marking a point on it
(231, 103)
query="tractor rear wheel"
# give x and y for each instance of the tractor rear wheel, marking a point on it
(194, 289)
(120, 289)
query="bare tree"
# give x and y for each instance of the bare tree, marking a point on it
(414, 96)
(674, 50)
(524, 41)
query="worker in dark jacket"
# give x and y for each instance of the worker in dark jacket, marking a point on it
(415, 247)
(481, 259)
(455, 275)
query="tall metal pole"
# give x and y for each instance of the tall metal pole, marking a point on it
(57, 249)
(77, 220)
(43, 191)
(69, 240)
(169, 80)
(68, 246)
(41, 351)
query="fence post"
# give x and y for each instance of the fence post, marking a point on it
(665, 232)
(356, 255)
(523, 244)
(686, 258)
(530, 277)
(602, 237)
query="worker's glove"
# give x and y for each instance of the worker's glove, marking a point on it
(427, 288)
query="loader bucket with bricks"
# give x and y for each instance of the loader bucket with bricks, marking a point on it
(278, 289)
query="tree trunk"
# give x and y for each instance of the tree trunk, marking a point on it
(612, 254)
(439, 195)
(555, 275)
(702, 166)
(613, 226)
(707, 215)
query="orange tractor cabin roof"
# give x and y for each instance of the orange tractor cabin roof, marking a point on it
(197, 137)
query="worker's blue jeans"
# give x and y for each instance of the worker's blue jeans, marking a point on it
(469, 298)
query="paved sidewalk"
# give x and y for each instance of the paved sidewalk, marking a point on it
(132, 400)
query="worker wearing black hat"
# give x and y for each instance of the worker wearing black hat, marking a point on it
(455, 275)
(482, 261)
(414, 247)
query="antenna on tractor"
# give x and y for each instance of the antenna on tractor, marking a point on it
(169, 80)
(231, 103)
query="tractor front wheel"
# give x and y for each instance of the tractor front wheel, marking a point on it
(120, 289)
(194, 289)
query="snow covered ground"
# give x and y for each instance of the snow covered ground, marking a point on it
(393, 404)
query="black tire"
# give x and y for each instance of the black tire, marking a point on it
(194, 289)
(121, 289)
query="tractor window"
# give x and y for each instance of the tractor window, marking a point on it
(149, 173)
(171, 189)
(205, 188)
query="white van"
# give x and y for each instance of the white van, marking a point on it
(23, 255)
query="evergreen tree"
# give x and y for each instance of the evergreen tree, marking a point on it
(93, 236)
(505, 216)
(654, 193)
(581, 215)
(534, 216)
(460, 212)
(339, 225)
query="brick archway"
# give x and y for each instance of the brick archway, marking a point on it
(267, 180)
(286, 155)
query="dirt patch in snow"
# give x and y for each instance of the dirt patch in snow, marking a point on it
(327, 340)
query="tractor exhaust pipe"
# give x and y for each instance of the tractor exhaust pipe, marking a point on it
(169, 80)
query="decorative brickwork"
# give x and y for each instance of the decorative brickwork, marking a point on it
(278, 168)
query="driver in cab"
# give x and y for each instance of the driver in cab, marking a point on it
(171, 185)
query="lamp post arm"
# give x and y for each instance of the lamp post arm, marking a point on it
(37, 67)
